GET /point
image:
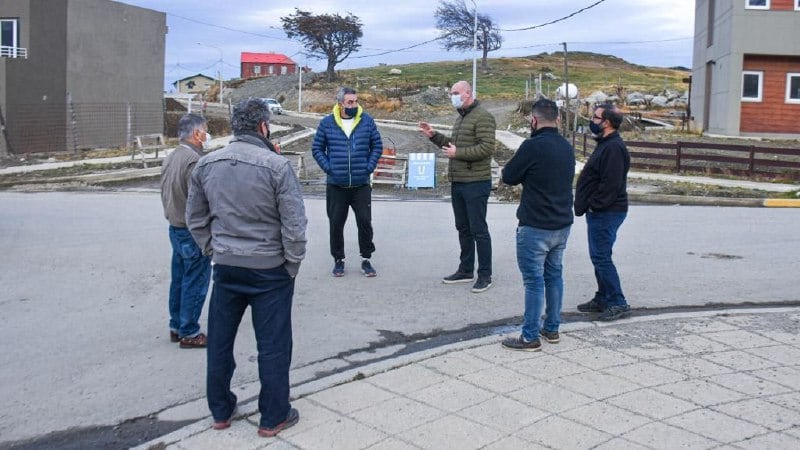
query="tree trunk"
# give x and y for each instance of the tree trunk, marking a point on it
(330, 72)
(484, 62)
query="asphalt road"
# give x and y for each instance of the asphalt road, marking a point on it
(83, 309)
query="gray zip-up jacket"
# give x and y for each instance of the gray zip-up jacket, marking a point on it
(245, 207)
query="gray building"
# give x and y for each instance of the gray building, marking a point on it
(746, 67)
(79, 74)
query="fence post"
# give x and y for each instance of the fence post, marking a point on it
(584, 145)
(678, 150)
(752, 161)
(73, 122)
(128, 127)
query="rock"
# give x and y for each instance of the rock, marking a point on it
(395, 72)
(659, 100)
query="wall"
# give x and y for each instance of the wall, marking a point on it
(772, 114)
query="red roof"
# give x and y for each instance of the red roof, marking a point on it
(269, 58)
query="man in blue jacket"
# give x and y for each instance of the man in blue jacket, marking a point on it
(545, 166)
(601, 193)
(347, 147)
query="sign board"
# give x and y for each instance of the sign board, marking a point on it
(421, 170)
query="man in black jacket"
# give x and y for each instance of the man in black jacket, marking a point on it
(545, 166)
(601, 194)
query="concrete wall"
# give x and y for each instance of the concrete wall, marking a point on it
(116, 59)
(12, 9)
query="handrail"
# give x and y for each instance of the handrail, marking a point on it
(13, 52)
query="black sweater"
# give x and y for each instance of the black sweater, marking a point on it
(602, 184)
(545, 165)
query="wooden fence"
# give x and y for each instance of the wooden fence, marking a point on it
(707, 158)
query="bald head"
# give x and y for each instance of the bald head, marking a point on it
(464, 91)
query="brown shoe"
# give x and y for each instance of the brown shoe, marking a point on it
(198, 341)
(173, 337)
(224, 424)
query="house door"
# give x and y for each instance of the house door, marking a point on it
(707, 96)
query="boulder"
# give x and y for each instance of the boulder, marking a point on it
(659, 100)
(395, 72)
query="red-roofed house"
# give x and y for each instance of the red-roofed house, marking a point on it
(266, 64)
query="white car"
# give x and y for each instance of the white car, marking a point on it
(274, 106)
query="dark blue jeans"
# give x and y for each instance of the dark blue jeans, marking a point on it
(602, 230)
(187, 290)
(339, 200)
(269, 293)
(470, 201)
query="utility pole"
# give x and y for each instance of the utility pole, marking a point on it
(475, 51)
(566, 89)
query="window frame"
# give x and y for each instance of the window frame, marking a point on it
(14, 32)
(797, 5)
(747, 5)
(257, 69)
(760, 96)
(789, 76)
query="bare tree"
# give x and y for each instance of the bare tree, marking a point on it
(456, 23)
(325, 36)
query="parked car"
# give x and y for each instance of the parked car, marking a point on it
(274, 106)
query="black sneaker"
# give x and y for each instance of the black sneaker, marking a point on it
(481, 285)
(338, 268)
(367, 268)
(458, 277)
(551, 337)
(520, 344)
(590, 306)
(614, 313)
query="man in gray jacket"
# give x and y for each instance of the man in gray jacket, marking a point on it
(191, 269)
(245, 208)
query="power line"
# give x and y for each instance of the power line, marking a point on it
(600, 43)
(556, 20)
(222, 27)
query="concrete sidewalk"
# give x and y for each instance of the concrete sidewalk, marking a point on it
(726, 379)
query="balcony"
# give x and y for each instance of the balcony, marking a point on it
(13, 52)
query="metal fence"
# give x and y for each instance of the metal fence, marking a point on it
(47, 128)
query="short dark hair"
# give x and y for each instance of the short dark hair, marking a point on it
(248, 114)
(612, 114)
(545, 109)
(188, 123)
(344, 90)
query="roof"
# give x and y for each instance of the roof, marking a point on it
(193, 76)
(269, 58)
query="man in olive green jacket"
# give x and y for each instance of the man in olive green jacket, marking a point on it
(470, 149)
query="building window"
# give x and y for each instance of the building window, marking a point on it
(797, 5)
(9, 37)
(256, 70)
(271, 69)
(756, 4)
(284, 70)
(752, 86)
(793, 88)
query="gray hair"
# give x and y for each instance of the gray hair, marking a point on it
(189, 123)
(344, 90)
(248, 114)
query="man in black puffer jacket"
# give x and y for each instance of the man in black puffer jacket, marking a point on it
(347, 147)
(601, 194)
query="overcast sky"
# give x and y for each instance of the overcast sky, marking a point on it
(647, 32)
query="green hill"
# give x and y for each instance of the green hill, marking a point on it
(506, 77)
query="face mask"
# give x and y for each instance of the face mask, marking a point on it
(207, 142)
(455, 99)
(351, 112)
(596, 129)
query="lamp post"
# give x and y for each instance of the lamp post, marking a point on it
(220, 67)
(474, 50)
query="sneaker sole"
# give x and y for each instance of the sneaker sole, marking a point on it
(337, 275)
(272, 432)
(465, 280)
(537, 349)
(478, 291)
(370, 274)
(551, 341)
(615, 317)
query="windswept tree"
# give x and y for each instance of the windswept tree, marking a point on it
(456, 23)
(325, 36)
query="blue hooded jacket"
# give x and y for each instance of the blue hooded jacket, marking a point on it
(347, 161)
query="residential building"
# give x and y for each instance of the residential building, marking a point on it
(266, 64)
(79, 74)
(194, 84)
(746, 68)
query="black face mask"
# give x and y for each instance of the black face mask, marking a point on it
(351, 112)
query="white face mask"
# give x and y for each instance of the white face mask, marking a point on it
(455, 99)
(207, 142)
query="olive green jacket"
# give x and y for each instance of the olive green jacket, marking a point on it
(473, 136)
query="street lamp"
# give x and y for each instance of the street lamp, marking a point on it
(220, 67)
(474, 50)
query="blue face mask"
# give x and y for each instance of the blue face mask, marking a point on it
(351, 112)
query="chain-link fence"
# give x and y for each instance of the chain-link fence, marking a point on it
(47, 128)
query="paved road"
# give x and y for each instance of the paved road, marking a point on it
(83, 320)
